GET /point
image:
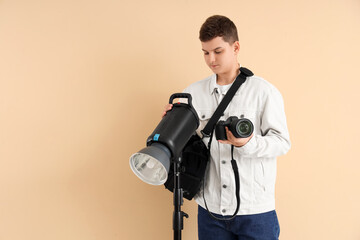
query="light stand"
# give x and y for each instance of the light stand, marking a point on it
(164, 146)
(178, 215)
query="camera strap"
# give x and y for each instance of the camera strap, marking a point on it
(208, 131)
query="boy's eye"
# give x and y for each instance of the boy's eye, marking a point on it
(217, 52)
(206, 53)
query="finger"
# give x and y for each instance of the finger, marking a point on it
(230, 136)
(232, 139)
(167, 108)
(224, 141)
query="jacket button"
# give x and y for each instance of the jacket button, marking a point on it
(224, 210)
(224, 186)
(223, 161)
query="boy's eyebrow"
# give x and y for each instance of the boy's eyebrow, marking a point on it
(213, 49)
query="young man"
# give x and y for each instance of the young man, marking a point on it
(258, 101)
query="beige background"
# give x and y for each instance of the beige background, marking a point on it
(83, 83)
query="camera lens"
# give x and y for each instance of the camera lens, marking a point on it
(244, 128)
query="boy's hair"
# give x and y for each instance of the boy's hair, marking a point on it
(218, 26)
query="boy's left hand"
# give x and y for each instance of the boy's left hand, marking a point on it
(231, 139)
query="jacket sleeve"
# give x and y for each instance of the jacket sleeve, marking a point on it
(274, 139)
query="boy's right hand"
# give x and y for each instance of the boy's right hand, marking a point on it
(167, 107)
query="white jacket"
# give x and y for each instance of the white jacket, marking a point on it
(262, 103)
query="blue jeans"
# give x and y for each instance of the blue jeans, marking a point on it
(263, 226)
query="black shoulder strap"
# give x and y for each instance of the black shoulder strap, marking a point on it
(240, 79)
(208, 132)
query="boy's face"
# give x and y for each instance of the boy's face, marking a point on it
(220, 56)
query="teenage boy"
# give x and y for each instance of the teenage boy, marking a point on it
(258, 101)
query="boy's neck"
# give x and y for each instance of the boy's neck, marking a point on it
(228, 77)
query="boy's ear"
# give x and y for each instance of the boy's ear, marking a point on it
(236, 47)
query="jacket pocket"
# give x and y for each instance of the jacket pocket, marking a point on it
(259, 175)
(204, 117)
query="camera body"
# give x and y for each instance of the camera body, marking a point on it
(240, 128)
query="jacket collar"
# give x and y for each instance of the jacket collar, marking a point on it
(212, 85)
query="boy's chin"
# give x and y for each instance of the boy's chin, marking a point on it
(216, 70)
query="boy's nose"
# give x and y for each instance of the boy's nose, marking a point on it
(212, 57)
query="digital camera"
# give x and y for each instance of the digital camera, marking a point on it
(240, 128)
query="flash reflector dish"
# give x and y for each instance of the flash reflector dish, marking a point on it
(151, 164)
